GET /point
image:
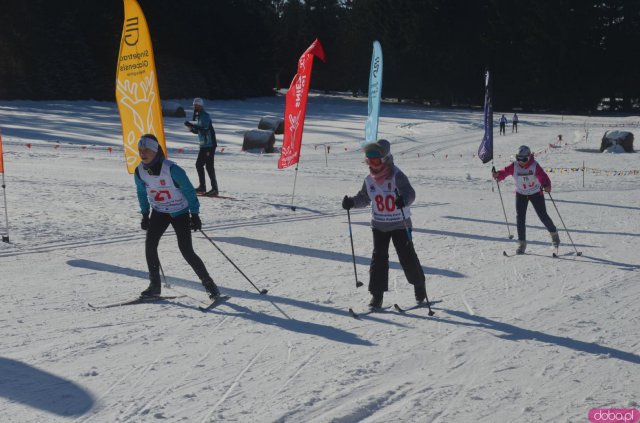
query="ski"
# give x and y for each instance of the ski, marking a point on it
(369, 311)
(224, 197)
(554, 254)
(139, 300)
(415, 306)
(216, 301)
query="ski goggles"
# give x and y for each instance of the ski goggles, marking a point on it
(374, 161)
(522, 159)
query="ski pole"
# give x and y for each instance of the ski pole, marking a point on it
(263, 292)
(164, 278)
(406, 228)
(353, 253)
(579, 253)
(493, 169)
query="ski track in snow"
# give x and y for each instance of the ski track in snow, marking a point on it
(207, 418)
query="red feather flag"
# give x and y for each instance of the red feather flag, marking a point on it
(296, 106)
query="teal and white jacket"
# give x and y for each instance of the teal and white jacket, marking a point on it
(180, 180)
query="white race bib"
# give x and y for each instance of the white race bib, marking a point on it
(526, 181)
(383, 201)
(162, 193)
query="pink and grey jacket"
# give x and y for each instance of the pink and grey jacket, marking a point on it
(518, 171)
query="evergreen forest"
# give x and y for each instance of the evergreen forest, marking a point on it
(560, 55)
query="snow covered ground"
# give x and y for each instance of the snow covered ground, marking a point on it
(528, 338)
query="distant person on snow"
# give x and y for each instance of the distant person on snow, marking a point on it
(531, 180)
(503, 125)
(387, 222)
(164, 187)
(207, 138)
(514, 124)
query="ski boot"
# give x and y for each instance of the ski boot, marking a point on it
(555, 239)
(152, 291)
(201, 190)
(376, 300)
(211, 287)
(212, 193)
(522, 246)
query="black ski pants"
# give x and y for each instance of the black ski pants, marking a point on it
(158, 224)
(522, 201)
(205, 160)
(379, 269)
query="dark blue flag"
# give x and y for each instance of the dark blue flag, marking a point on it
(485, 152)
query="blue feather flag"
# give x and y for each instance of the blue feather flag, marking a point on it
(375, 93)
(485, 152)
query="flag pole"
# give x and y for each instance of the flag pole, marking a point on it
(295, 178)
(5, 238)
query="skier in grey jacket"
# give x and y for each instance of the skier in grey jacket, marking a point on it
(390, 194)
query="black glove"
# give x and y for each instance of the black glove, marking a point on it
(144, 223)
(195, 223)
(400, 202)
(348, 203)
(187, 123)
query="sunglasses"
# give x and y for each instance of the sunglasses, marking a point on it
(374, 161)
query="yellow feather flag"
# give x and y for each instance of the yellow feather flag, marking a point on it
(137, 91)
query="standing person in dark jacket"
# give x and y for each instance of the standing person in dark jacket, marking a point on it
(503, 125)
(164, 187)
(514, 123)
(207, 138)
(387, 221)
(531, 180)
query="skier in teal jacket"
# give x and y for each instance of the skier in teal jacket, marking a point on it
(208, 143)
(163, 187)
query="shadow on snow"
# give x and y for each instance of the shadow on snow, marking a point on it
(288, 323)
(38, 389)
(324, 254)
(515, 333)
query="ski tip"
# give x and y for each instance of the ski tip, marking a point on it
(504, 253)
(397, 307)
(353, 313)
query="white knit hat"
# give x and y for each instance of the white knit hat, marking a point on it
(198, 101)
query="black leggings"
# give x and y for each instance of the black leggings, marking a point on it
(379, 269)
(205, 160)
(522, 201)
(158, 224)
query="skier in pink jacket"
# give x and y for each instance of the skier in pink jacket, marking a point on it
(531, 180)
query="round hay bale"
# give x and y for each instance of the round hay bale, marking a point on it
(259, 138)
(623, 139)
(173, 109)
(273, 123)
